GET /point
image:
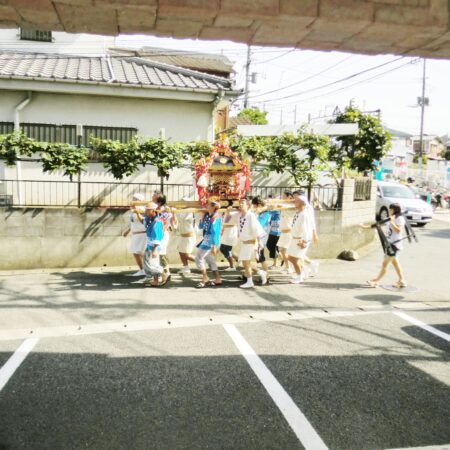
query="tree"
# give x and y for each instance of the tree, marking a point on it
(256, 148)
(300, 155)
(446, 154)
(194, 151)
(424, 159)
(360, 151)
(255, 115)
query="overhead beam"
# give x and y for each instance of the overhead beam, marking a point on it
(405, 27)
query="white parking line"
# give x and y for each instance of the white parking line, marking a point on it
(420, 324)
(296, 419)
(16, 360)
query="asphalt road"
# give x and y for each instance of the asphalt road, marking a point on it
(112, 365)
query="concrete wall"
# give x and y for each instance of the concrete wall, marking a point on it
(339, 230)
(37, 238)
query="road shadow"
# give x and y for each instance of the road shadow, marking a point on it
(385, 299)
(99, 401)
(429, 338)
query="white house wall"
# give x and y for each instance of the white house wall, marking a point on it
(182, 120)
(79, 44)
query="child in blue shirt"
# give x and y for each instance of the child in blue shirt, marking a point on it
(274, 236)
(155, 233)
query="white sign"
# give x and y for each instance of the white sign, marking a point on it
(329, 129)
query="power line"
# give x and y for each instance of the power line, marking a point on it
(328, 84)
(344, 87)
(304, 79)
(275, 57)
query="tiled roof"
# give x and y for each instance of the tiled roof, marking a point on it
(191, 60)
(131, 71)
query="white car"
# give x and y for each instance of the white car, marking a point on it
(416, 210)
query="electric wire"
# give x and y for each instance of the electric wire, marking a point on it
(349, 77)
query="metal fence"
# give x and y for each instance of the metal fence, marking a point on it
(327, 197)
(34, 193)
(363, 189)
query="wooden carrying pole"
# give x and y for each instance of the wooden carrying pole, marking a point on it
(195, 206)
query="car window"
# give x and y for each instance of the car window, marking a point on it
(397, 192)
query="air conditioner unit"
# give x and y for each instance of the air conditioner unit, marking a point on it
(6, 200)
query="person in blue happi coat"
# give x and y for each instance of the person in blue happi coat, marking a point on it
(211, 225)
(155, 233)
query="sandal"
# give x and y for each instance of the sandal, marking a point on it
(165, 282)
(373, 284)
(400, 284)
(212, 283)
(201, 285)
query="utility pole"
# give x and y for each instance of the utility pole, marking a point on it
(247, 75)
(422, 103)
(295, 115)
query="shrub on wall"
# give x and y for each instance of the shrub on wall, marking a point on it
(54, 156)
(301, 155)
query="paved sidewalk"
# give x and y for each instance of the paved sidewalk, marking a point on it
(442, 214)
(57, 297)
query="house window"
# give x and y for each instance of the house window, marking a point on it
(67, 133)
(35, 35)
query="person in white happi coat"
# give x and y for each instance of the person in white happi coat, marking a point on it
(251, 237)
(229, 238)
(302, 234)
(285, 237)
(311, 267)
(184, 224)
(138, 242)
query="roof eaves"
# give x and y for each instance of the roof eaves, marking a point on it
(127, 85)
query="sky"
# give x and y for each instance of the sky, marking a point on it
(312, 83)
(295, 85)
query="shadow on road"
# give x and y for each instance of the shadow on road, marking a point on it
(385, 299)
(87, 400)
(429, 338)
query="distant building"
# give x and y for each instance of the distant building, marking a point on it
(432, 146)
(401, 144)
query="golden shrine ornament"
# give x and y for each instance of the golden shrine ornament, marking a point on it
(222, 175)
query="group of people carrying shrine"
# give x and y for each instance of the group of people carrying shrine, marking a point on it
(251, 229)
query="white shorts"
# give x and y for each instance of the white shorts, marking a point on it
(247, 252)
(186, 244)
(285, 240)
(164, 243)
(295, 250)
(138, 243)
